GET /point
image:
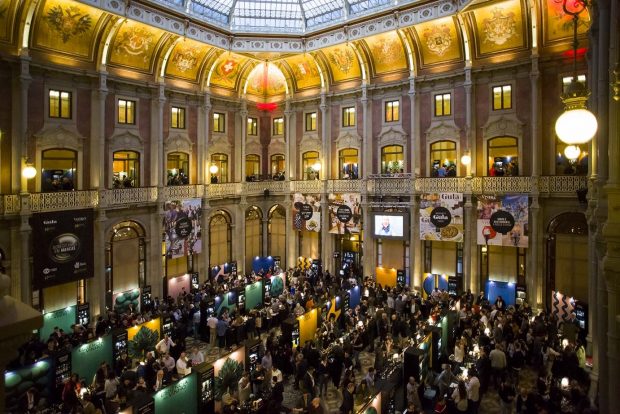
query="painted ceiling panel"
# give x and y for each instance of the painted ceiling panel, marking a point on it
(68, 27)
(266, 79)
(342, 62)
(135, 45)
(499, 27)
(558, 25)
(186, 59)
(305, 71)
(387, 53)
(438, 41)
(7, 19)
(227, 69)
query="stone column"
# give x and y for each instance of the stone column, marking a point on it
(19, 119)
(471, 217)
(534, 278)
(243, 113)
(265, 233)
(239, 232)
(470, 141)
(291, 235)
(535, 115)
(415, 245)
(25, 233)
(415, 138)
(202, 158)
(289, 135)
(369, 260)
(468, 282)
(97, 134)
(95, 287)
(158, 172)
(203, 258)
(366, 152)
(326, 148)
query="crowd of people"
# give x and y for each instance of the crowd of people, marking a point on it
(495, 342)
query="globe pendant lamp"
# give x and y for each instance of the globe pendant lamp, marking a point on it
(576, 125)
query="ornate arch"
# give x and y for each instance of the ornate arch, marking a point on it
(178, 142)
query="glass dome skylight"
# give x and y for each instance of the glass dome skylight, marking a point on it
(277, 16)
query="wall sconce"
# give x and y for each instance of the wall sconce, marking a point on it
(29, 172)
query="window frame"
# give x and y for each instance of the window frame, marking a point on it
(489, 148)
(137, 176)
(49, 103)
(313, 121)
(219, 164)
(273, 160)
(181, 110)
(253, 130)
(383, 163)
(346, 116)
(442, 95)
(274, 131)
(431, 151)
(305, 165)
(386, 103)
(118, 108)
(254, 159)
(341, 162)
(502, 107)
(221, 123)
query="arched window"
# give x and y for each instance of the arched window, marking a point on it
(348, 164)
(220, 246)
(252, 167)
(310, 162)
(443, 159)
(126, 169)
(277, 166)
(502, 157)
(392, 159)
(571, 163)
(58, 170)
(277, 233)
(253, 235)
(221, 162)
(177, 168)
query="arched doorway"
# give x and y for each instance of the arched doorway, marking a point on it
(277, 233)
(567, 255)
(253, 235)
(220, 243)
(125, 259)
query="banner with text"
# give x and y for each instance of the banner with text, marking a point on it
(182, 227)
(62, 247)
(503, 221)
(307, 212)
(441, 217)
(345, 213)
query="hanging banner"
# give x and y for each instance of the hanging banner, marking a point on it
(182, 227)
(307, 212)
(441, 217)
(503, 221)
(62, 247)
(345, 213)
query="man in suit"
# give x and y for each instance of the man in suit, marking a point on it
(308, 385)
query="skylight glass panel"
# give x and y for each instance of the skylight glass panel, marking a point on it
(313, 8)
(321, 19)
(363, 6)
(217, 10)
(178, 3)
(264, 14)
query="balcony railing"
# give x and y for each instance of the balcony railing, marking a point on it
(556, 186)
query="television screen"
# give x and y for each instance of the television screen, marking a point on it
(390, 225)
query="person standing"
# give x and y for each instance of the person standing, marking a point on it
(498, 364)
(507, 396)
(412, 393)
(473, 391)
(212, 324)
(221, 328)
(163, 346)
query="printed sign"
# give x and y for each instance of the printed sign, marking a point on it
(345, 213)
(63, 247)
(306, 211)
(503, 221)
(182, 227)
(441, 217)
(304, 217)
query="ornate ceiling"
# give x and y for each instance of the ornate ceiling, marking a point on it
(187, 56)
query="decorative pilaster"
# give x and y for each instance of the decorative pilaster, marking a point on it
(19, 141)
(534, 279)
(238, 230)
(535, 115)
(292, 252)
(415, 245)
(369, 258)
(366, 164)
(243, 113)
(325, 139)
(96, 293)
(467, 239)
(415, 138)
(25, 233)
(97, 133)
(203, 257)
(158, 173)
(204, 116)
(289, 135)
(470, 141)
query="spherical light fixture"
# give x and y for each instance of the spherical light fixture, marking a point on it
(316, 166)
(576, 126)
(213, 169)
(572, 152)
(466, 159)
(29, 171)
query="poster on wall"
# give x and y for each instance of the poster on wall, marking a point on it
(345, 213)
(503, 221)
(307, 212)
(62, 247)
(441, 217)
(182, 227)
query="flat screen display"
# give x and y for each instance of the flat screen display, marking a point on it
(390, 226)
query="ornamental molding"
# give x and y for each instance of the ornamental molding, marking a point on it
(253, 146)
(310, 142)
(348, 139)
(219, 143)
(277, 146)
(125, 139)
(442, 130)
(503, 125)
(59, 136)
(392, 135)
(179, 142)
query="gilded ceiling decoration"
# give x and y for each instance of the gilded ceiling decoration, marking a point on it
(386, 52)
(304, 70)
(186, 59)
(7, 11)
(266, 79)
(227, 69)
(558, 25)
(343, 62)
(499, 27)
(438, 41)
(135, 45)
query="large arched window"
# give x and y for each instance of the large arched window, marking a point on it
(443, 159)
(310, 160)
(126, 169)
(220, 246)
(252, 167)
(277, 233)
(277, 166)
(502, 157)
(58, 170)
(348, 163)
(221, 162)
(392, 159)
(253, 235)
(177, 168)
(125, 258)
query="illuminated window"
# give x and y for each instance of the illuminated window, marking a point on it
(221, 162)
(252, 126)
(278, 126)
(177, 168)
(58, 170)
(392, 159)
(392, 111)
(59, 104)
(348, 116)
(443, 159)
(503, 157)
(502, 97)
(219, 122)
(277, 164)
(443, 105)
(252, 167)
(310, 161)
(566, 80)
(311, 121)
(348, 163)
(126, 111)
(177, 118)
(126, 169)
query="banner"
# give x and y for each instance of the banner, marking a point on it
(441, 217)
(345, 213)
(62, 247)
(182, 227)
(503, 221)
(307, 212)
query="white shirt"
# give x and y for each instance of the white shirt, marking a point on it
(473, 389)
(182, 368)
(164, 345)
(197, 358)
(212, 322)
(196, 317)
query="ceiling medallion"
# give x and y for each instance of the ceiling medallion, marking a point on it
(186, 60)
(500, 28)
(438, 39)
(68, 22)
(342, 59)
